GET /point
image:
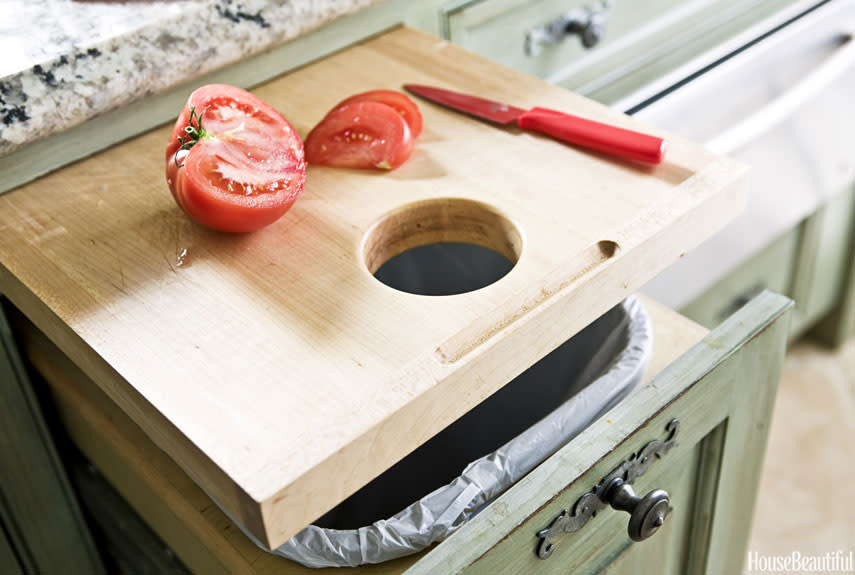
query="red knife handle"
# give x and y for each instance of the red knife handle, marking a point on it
(594, 135)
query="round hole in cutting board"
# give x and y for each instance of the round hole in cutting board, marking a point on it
(442, 246)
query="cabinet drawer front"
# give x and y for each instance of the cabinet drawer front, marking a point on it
(773, 268)
(498, 29)
(807, 264)
(722, 388)
(825, 257)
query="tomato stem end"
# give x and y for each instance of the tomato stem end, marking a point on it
(193, 133)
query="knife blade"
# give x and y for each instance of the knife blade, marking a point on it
(561, 126)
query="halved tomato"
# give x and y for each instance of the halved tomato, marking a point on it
(400, 102)
(233, 163)
(360, 135)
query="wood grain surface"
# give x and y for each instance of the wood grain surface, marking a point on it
(272, 366)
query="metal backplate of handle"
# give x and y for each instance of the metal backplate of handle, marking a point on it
(647, 513)
(589, 23)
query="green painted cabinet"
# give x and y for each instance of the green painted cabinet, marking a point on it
(825, 292)
(632, 45)
(507, 30)
(721, 391)
(774, 268)
(837, 299)
(812, 264)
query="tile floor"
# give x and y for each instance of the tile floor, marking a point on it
(807, 491)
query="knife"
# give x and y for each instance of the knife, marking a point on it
(565, 127)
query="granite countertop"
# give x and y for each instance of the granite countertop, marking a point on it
(65, 61)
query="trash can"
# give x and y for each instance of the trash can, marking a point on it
(433, 491)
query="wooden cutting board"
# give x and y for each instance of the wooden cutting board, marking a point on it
(272, 366)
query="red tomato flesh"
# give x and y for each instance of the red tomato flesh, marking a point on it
(245, 171)
(400, 102)
(362, 135)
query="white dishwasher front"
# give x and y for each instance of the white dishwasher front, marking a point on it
(782, 103)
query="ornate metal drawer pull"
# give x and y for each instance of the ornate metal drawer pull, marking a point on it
(647, 513)
(589, 23)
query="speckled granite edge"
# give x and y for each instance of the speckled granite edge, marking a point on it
(69, 88)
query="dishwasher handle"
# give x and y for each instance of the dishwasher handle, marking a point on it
(784, 105)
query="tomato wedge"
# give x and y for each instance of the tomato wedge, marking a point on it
(400, 102)
(361, 135)
(233, 163)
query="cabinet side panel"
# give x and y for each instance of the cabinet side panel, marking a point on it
(40, 511)
(753, 380)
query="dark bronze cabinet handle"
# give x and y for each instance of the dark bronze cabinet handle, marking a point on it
(647, 513)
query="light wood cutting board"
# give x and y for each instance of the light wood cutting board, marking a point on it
(272, 366)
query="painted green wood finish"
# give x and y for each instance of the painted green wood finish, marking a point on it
(498, 28)
(773, 268)
(643, 41)
(40, 513)
(705, 493)
(805, 265)
(722, 391)
(684, 547)
(812, 264)
(823, 261)
(677, 477)
(838, 323)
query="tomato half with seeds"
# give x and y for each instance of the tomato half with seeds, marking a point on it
(397, 100)
(233, 163)
(361, 135)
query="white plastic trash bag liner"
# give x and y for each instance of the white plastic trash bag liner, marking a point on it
(425, 497)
